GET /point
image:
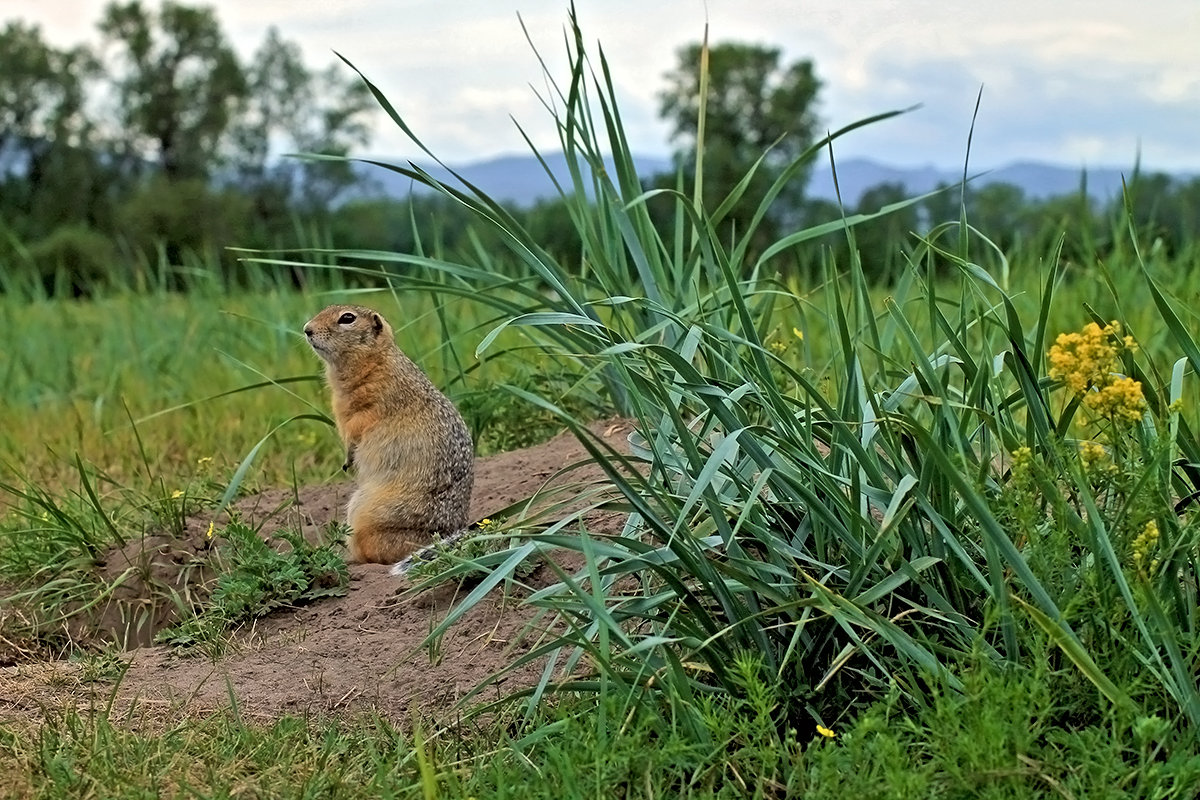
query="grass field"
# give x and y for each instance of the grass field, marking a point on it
(934, 539)
(1032, 727)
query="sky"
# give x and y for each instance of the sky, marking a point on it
(1081, 84)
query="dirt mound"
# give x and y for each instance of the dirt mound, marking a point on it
(362, 651)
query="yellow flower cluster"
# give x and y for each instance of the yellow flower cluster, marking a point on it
(1091, 452)
(1144, 544)
(1087, 360)
(1120, 400)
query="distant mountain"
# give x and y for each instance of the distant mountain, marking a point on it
(523, 181)
(1038, 180)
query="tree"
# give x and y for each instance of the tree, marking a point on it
(49, 172)
(278, 85)
(41, 89)
(178, 86)
(756, 108)
(944, 205)
(290, 106)
(333, 129)
(999, 211)
(881, 242)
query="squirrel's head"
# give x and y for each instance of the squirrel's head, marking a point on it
(339, 331)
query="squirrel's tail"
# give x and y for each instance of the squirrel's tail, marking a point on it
(427, 553)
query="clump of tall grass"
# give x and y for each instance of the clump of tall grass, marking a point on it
(860, 524)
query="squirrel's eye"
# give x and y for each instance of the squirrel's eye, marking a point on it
(346, 319)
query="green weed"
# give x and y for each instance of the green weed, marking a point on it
(255, 578)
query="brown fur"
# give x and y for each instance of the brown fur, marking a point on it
(406, 441)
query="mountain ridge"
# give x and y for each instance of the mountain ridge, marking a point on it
(522, 180)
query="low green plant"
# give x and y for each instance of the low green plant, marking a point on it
(257, 577)
(103, 665)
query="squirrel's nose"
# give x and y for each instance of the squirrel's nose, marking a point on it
(308, 331)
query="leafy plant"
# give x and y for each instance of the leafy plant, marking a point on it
(255, 579)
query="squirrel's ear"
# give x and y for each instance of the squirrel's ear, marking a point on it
(378, 323)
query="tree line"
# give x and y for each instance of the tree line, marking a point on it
(159, 141)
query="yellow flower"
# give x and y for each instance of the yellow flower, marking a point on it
(1086, 358)
(799, 334)
(828, 734)
(778, 347)
(1091, 452)
(1121, 400)
(178, 493)
(202, 461)
(211, 526)
(1145, 543)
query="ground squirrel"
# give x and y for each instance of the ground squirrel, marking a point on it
(406, 441)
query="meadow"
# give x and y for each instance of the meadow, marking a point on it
(934, 538)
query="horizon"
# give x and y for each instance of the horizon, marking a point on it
(973, 170)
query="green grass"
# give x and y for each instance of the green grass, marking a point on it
(78, 375)
(1002, 736)
(845, 516)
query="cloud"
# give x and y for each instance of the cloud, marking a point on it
(1086, 94)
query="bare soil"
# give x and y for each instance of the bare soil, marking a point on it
(358, 653)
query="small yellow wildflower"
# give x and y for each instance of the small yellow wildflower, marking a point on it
(178, 493)
(1022, 465)
(211, 527)
(1176, 405)
(202, 461)
(778, 347)
(799, 334)
(1145, 542)
(828, 734)
(1086, 358)
(1091, 452)
(1121, 400)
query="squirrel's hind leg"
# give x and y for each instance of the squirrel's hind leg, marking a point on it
(379, 541)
